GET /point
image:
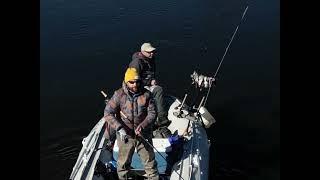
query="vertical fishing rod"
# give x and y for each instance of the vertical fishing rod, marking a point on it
(225, 52)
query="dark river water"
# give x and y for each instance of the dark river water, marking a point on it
(86, 45)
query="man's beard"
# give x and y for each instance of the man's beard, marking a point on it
(133, 89)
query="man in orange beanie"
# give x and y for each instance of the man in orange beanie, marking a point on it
(136, 107)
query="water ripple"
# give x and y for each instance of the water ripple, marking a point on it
(64, 147)
(80, 30)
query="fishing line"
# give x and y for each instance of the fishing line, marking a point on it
(225, 52)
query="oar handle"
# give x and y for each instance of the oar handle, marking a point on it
(123, 115)
(104, 94)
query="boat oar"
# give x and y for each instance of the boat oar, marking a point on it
(105, 96)
(158, 152)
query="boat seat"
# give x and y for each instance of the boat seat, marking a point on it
(178, 125)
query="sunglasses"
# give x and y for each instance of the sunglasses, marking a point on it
(132, 82)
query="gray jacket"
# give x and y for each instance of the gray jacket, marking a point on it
(146, 67)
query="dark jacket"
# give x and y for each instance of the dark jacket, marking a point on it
(146, 67)
(138, 108)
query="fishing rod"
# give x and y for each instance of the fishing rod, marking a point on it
(227, 48)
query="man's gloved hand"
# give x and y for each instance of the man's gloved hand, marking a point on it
(123, 135)
(138, 130)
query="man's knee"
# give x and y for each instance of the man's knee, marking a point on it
(157, 89)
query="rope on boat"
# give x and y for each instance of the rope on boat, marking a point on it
(225, 52)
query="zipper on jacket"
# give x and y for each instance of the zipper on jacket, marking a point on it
(132, 112)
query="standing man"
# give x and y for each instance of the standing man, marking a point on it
(136, 107)
(144, 62)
